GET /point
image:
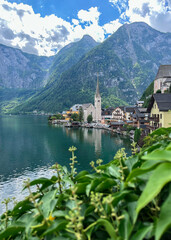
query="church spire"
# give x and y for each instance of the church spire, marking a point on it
(97, 88)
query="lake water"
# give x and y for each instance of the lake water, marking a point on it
(29, 147)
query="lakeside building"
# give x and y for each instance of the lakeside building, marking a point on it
(160, 111)
(118, 114)
(88, 108)
(162, 81)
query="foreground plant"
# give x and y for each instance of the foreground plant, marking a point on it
(126, 199)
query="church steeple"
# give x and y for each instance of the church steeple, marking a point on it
(97, 87)
(97, 102)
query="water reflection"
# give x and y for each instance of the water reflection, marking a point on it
(91, 136)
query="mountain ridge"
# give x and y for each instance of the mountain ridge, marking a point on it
(127, 62)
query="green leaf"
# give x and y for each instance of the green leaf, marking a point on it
(125, 227)
(106, 185)
(158, 155)
(160, 176)
(119, 196)
(142, 232)
(164, 221)
(146, 167)
(114, 171)
(22, 207)
(49, 202)
(106, 224)
(12, 231)
(56, 226)
(81, 187)
(81, 174)
(42, 181)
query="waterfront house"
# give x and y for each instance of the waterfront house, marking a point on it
(118, 114)
(139, 117)
(127, 113)
(160, 111)
(107, 114)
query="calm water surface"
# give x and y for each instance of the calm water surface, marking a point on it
(29, 147)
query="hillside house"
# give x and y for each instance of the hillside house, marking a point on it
(160, 111)
(162, 81)
(139, 117)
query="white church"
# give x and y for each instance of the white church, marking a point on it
(89, 108)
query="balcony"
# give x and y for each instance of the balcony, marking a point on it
(154, 119)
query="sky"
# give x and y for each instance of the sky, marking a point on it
(43, 27)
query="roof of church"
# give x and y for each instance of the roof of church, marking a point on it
(164, 71)
(86, 105)
(97, 88)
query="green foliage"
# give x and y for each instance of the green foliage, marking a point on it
(128, 198)
(81, 114)
(89, 118)
(158, 91)
(147, 94)
(137, 135)
(56, 117)
(75, 117)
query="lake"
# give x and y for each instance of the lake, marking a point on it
(29, 146)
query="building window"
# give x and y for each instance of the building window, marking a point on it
(98, 100)
(160, 116)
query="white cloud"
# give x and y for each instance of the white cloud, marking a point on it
(156, 13)
(112, 26)
(90, 16)
(21, 27)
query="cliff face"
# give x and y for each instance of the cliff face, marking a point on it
(22, 70)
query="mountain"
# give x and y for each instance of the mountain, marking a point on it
(22, 70)
(70, 55)
(28, 74)
(126, 62)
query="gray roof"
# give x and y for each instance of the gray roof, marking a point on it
(129, 109)
(164, 71)
(76, 107)
(86, 105)
(163, 101)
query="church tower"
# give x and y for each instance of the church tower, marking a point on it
(97, 103)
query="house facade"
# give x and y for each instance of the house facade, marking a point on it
(160, 111)
(88, 109)
(118, 114)
(162, 81)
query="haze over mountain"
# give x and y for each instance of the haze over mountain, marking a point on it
(126, 62)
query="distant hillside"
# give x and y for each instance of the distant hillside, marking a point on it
(127, 63)
(147, 94)
(22, 70)
(25, 73)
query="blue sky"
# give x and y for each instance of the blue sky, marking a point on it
(43, 27)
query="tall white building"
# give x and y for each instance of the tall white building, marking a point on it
(97, 104)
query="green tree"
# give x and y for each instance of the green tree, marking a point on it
(81, 114)
(89, 118)
(75, 117)
(137, 135)
(158, 91)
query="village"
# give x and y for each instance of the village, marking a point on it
(124, 119)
